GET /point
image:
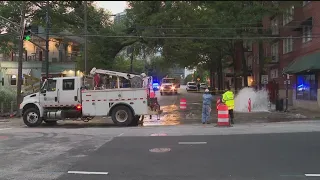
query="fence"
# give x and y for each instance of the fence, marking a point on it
(7, 109)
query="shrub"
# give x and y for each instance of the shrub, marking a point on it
(7, 96)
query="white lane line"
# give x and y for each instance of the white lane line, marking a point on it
(5, 129)
(87, 172)
(312, 175)
(192, 142)
(120, 134)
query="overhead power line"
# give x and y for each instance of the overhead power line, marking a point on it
(192, 37)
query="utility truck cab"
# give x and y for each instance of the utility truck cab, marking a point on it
(65, 98)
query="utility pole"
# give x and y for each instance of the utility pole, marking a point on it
(131, 60)
(85, 36)
(47, 41)
(23, 11)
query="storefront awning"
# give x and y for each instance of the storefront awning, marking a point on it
(15, 71)
(306, 63)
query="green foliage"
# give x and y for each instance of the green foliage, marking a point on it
(197, 19)
(69, 15)
(159, 66)
(187, 79)
(7, 96)
(122, 64)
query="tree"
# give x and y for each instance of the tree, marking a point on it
(122, 64)
(217, 19)
(68, 16)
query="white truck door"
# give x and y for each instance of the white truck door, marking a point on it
(69, 92)
(49, 94)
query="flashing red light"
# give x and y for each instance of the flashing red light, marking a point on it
(79, 107)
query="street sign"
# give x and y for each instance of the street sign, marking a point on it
(264, 79)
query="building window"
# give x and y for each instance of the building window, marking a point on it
(247, 45)
(275, 52)
(13, 80)
(305, 3)
(68, 84)
(274, 73)
(288, 15)
(274, 26)
(306, 33)
(287, 44)
(307, 87)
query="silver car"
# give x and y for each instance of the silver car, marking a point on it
(191, 86)
(203, 86)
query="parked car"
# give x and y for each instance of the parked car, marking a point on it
(203, 86)
(191, 86)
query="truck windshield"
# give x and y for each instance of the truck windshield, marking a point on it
(168, 80)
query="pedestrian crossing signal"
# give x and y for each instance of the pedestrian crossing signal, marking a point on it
(27, 33)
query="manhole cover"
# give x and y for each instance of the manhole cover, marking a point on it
(159, 134)
(160, 150)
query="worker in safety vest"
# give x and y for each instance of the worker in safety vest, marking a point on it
(206, 106)
(228, 99)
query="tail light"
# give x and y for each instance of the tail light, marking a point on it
(79, 107)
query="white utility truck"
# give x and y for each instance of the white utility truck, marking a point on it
(64, 98)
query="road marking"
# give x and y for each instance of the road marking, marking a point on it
(120, 134)
(192, 143)
(160, 150)
(312, 175)
(87, 172)
(159, 134)
(5, 129)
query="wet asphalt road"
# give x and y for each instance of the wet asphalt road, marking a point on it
(172, 114)
(259, 152)
(240, 157)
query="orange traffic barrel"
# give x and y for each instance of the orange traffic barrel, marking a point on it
(223, 115)
(152, 94)
(183, 103)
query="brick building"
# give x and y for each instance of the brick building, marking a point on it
(295, 50)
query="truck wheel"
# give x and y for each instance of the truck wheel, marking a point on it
(51, 123)
(31, 117)
(122, 116)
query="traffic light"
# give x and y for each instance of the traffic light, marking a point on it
(27, 33)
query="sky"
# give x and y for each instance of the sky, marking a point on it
(113, 6)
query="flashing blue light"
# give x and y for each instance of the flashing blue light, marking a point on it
(302, 87)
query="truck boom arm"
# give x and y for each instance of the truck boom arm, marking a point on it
(111, 73)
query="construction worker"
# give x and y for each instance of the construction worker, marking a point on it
(96, 81)
(228, 99)
(206, 106)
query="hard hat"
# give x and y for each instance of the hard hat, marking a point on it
(207, 90)
(143, 74)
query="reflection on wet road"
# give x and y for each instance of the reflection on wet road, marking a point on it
(172, 115)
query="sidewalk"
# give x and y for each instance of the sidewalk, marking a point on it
(194, 110)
